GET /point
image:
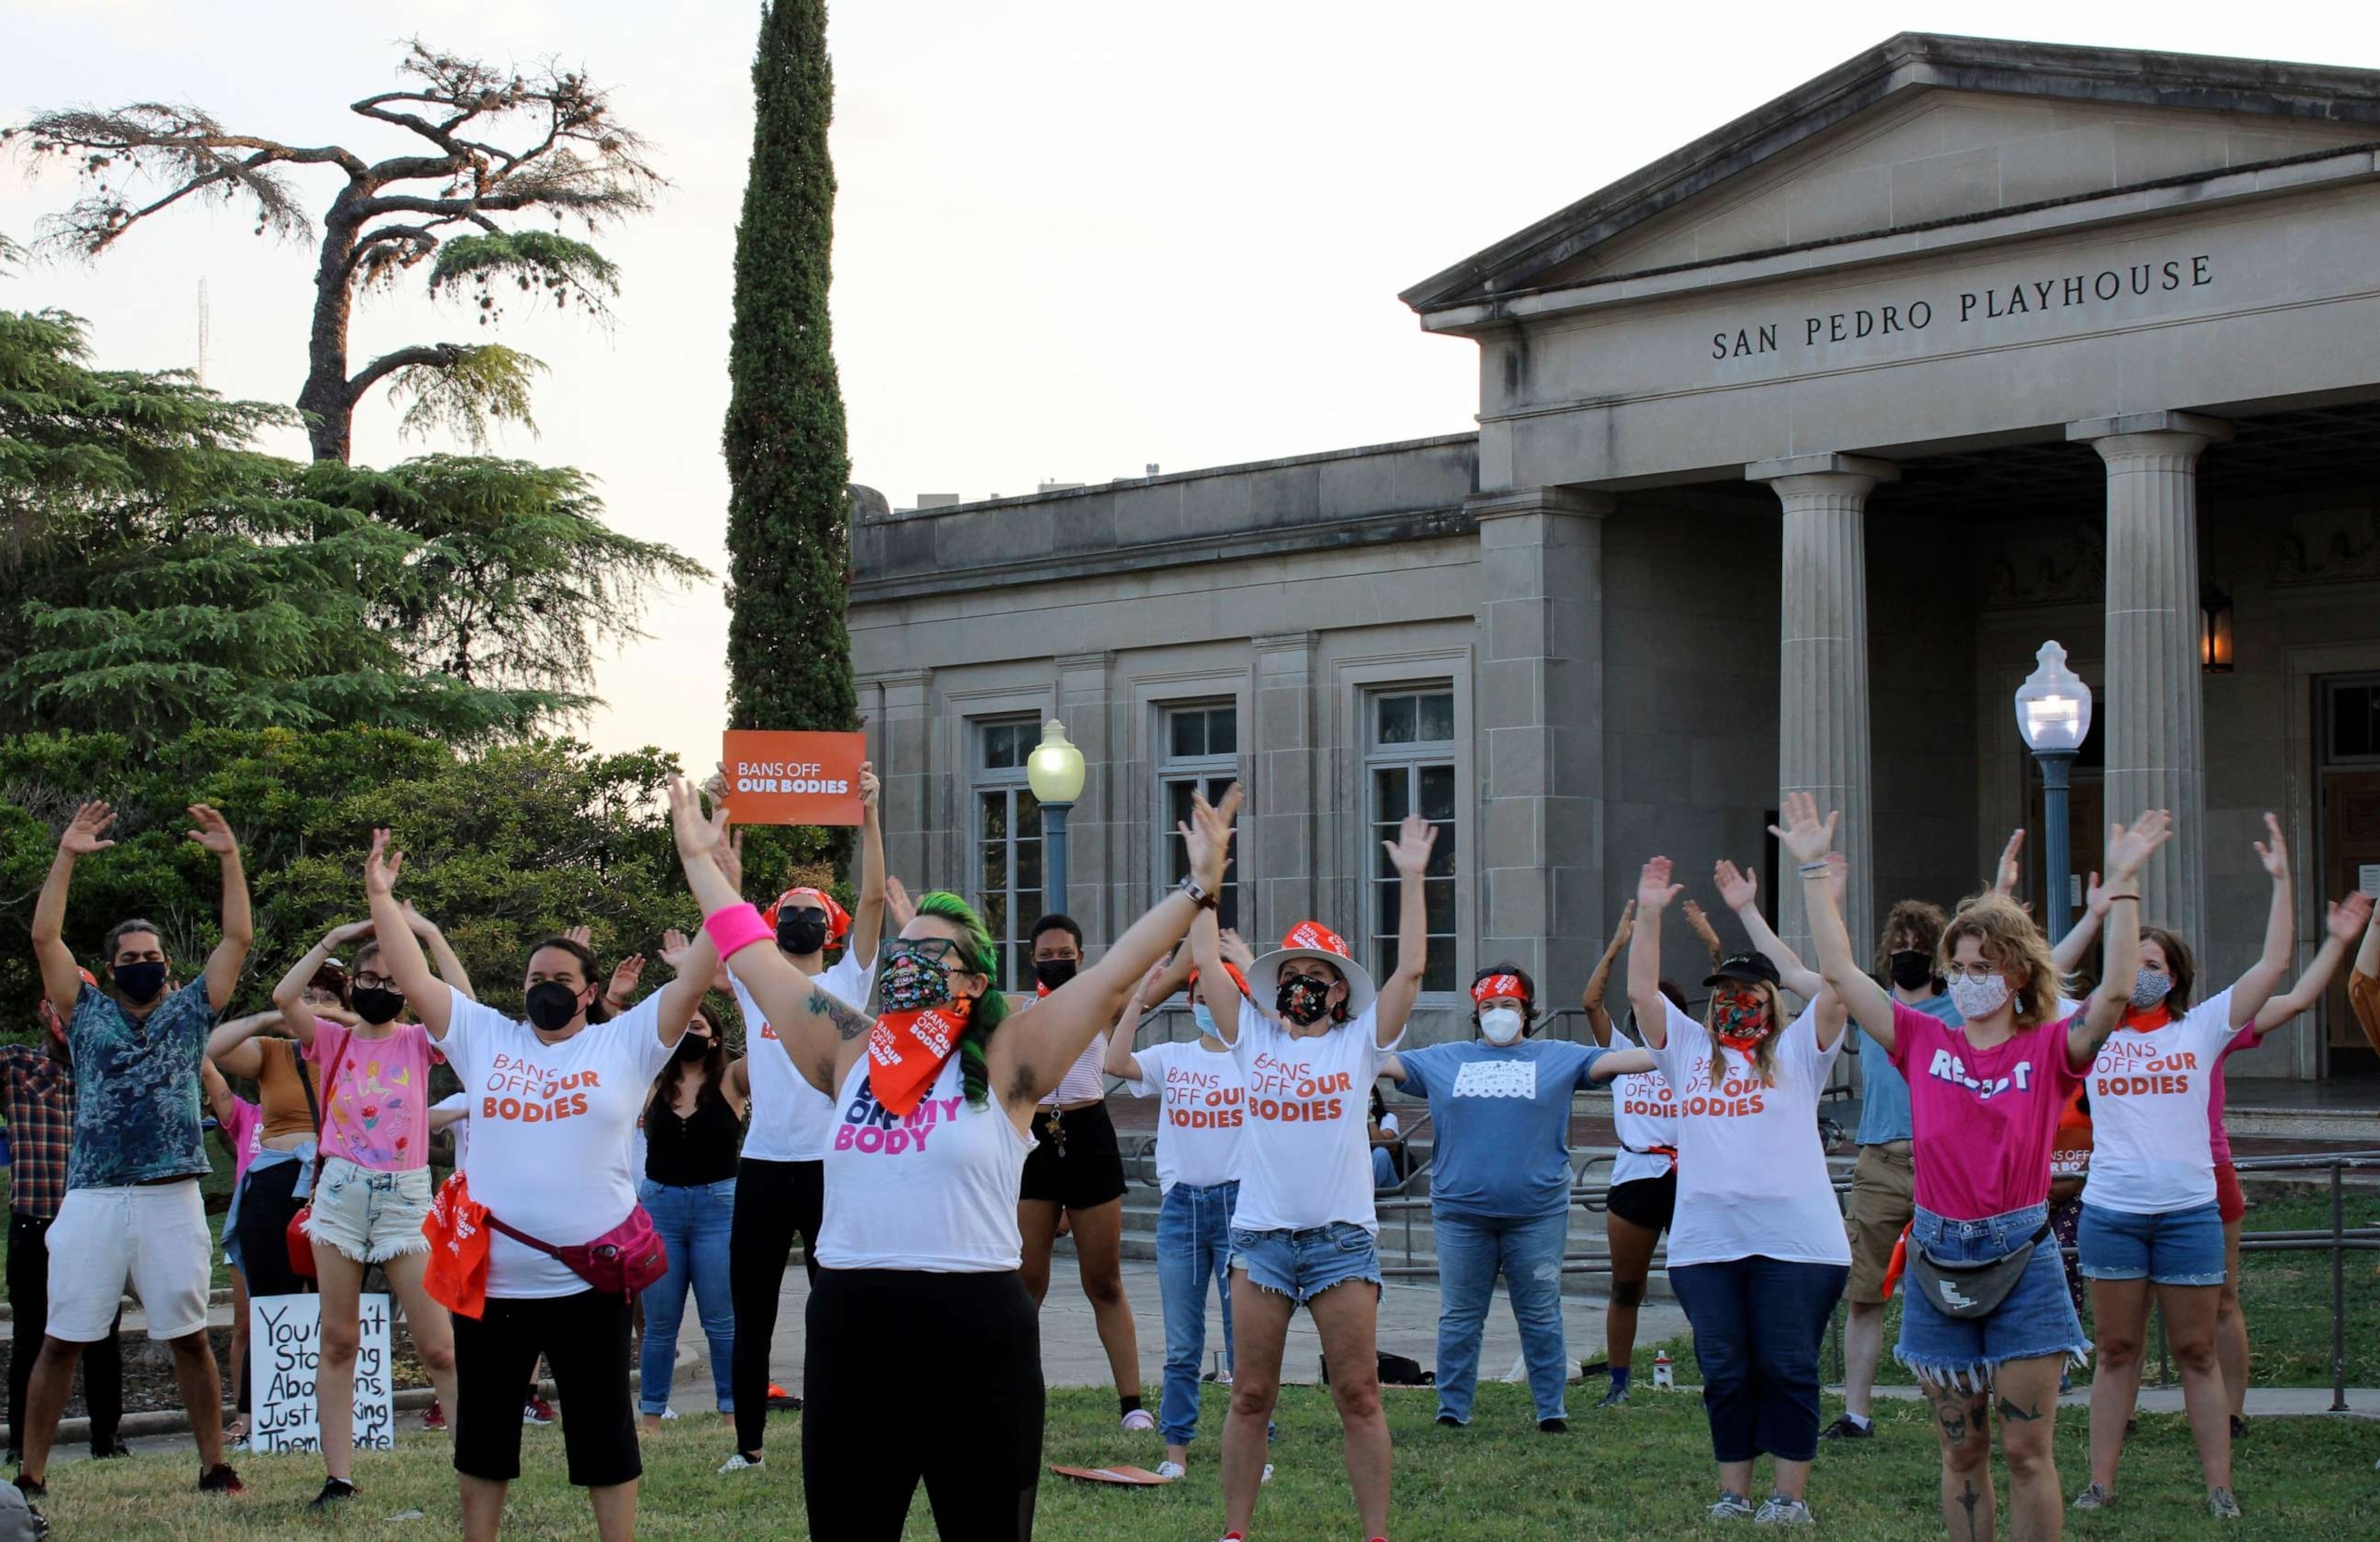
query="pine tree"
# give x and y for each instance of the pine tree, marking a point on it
(788, 520)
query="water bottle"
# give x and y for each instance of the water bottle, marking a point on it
(1662, 1376)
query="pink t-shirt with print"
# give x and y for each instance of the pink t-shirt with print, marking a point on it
(378, 1116)
(1984, 1120)
(244, 1130)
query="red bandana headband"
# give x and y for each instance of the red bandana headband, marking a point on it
(1237, 978)
(838, 921)
(1488, 990)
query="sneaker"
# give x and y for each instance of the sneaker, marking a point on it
(2221, 1505)
(1845, 1428)
(779, 1398)
(739, 1463)
(333, 1490)
(1169, 1471)
(220, 1479)
(2239, 1428)
(434, 1416)
(668, 1414)
(1731, 1507)
(32, 1488)
(2095, 1497)
(1781, 1512)
(108, 1452)
(1553, 1427)
(1140, 1421)
(537, 1410)
(1265, 1476)
(1616, 1398)
(1449, 1421)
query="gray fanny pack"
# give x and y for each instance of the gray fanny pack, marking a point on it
(1971, 1290)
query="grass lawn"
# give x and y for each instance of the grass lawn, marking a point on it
(1638, 1472)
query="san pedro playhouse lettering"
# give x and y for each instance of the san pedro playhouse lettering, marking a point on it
(285, 1338)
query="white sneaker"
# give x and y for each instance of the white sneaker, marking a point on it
(668, 1414)
(739, 1463)
(1267, 1474)
(1169, 1471)
(1139, 1421)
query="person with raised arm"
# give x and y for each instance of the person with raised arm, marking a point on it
(549, 1162)
(2153, 1214)
(132, 1210)
(371, 1190)
(1986, 1324)
(1757, 1255)
(919, 1252)
(781, 1175)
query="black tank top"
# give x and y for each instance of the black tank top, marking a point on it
(697, 1148)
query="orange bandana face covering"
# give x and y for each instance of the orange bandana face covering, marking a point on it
(906, 1052)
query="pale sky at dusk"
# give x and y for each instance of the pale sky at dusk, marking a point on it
(1072, 238)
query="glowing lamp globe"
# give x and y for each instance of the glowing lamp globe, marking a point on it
(2053, 706)
(1054, 769)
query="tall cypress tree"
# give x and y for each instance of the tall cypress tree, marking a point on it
(788, 513)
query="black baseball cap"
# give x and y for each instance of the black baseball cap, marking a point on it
(1747, 968)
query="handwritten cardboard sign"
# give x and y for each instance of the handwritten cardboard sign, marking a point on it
(792, 778)
(285, 1344)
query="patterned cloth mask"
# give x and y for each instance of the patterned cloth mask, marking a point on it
(1741, 1020)
(1303, 1000)
(912, 979)
(2150, 987)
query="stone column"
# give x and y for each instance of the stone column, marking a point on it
(2151, 710)
(900, 740)
(1822, 719)
(1540, 725)
(1083, 706)
(1276, 854)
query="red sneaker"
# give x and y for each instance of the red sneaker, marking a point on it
(537, 1410)
(220, 1479)
(434, 1416)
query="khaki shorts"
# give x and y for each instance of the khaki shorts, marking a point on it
(1882, 1203)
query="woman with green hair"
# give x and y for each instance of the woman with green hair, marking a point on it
(918, 1292)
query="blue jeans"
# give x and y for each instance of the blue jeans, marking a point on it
(1384, 1169)
(1528, 1250)
(693, 1223)
(1194, 1245)
(1757, 1326)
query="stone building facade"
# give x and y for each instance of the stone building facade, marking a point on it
(1792, 447)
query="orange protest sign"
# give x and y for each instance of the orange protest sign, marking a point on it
(777, 777)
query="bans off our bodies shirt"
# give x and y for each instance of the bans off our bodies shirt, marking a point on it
(1305, 1155)
(1752, 1177)
(1202, 1117)
(2149, 1091)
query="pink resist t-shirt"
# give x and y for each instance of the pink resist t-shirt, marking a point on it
(379, 1111)
(241, 1129)
(1984, 1120)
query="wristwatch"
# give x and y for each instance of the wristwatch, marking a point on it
(1197, 895)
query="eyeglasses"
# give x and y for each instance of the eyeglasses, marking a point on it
(932, 950)
(374, 983)
(1970, 971)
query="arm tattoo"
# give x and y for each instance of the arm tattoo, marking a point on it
(2010, 1411)
(847, 1022)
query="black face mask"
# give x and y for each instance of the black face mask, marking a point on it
(1054, 972)
(1303, 1001)
(801, 934)
(138, 983)
(693, 1047)
(1913, 970)
(552, 1005)
(376, 1004)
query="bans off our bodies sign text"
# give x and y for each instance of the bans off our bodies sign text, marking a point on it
(792, 778)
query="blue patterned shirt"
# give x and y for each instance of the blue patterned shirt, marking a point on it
(137, 1089)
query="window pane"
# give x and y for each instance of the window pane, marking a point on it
(1189, 734)
(1438, 895)
(995, 910)
(1217, 786)
(1437, 717)
(1228, 909)
(1389, 797)
(1384, 957)
(994, 874)
(1028, 910)
(999, 746)
(1177, 806)
(1382, 835)
(1020, 966)
(995, 815)
(1223, 731)
(1442, 855)
(1397, 715)
(1386, 900)
(1028, 814)
(1437, 792)
(2353, 716)
(1439, 973)
(1028, 868)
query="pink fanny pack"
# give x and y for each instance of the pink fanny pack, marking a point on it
(622, 1261)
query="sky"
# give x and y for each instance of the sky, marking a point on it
(1072, 239)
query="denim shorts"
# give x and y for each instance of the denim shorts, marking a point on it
(370, 1216)
(2174, 1247)
(2035, 1319)
(1302, 1265)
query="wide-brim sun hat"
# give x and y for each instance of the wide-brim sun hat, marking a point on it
(1311, 940)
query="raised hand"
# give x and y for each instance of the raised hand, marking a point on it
(82, 834)
(382, 865)
(700, 836)
(1737, 889)
(1702, 927)
(583, 936)
(2011, 871)
(1802, 832)
(899, 909)
(2128, 846)
(214, 832)
(1206, 835)
(1654, 890)
(1236, 952)
(1625, 930)
(420, 925)
(624, 976)
(339, 937)
(1140, 993)
(1410, 851)
(870, 789)
(2275, 854)
(2095, 897)
(675, 945)
(2349, 917)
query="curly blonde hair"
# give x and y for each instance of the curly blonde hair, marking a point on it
(2009, 940)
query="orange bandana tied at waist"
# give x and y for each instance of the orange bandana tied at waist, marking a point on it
(457, 1276)
(906, 1052)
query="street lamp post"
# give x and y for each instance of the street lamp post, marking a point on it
(1054, 772)
(2053, 712)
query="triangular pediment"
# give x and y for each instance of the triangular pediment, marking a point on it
(1922, 131)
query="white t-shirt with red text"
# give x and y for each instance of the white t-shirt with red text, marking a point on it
(550, 1125)
(1199, 1123)
(1644, 1116)
(1305, 1154)
(792, 1121)
(2149, 1092)
(1752, 1177)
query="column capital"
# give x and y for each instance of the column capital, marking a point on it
(2206, 430)
(1075, 663)
(1786, 470)
(1282, 642)
(1539, 500)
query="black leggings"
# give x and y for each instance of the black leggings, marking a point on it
(28, 1303)
(880, 1340)
(773, 1200)
(267, 1201)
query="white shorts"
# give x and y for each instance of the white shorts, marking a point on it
(154, 1236)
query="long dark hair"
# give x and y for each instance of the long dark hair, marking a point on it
(2177, 963)
(712, 1064)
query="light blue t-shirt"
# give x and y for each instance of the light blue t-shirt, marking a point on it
(1884, 1094)
(1500, 1118)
